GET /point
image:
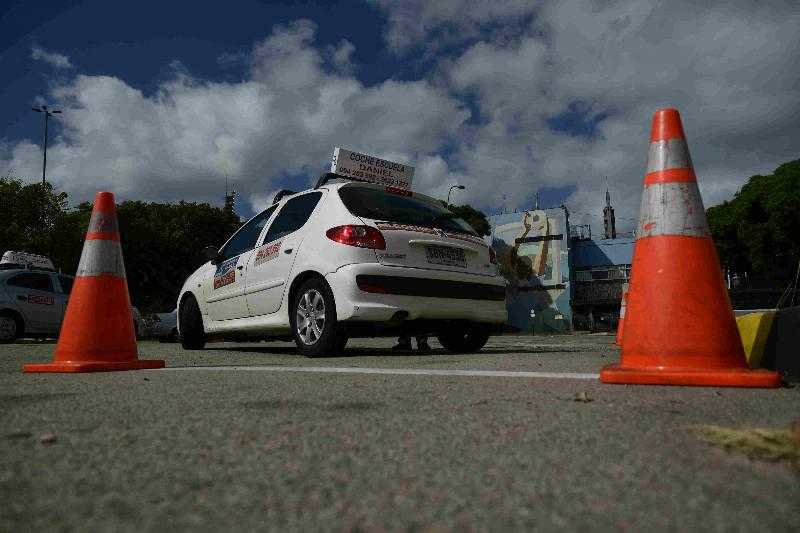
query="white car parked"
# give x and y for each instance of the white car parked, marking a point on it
(347, 259)
(33, 297)
(164, 326)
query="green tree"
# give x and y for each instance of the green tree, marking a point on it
(35, 219)
(161, 243)
(758, 231)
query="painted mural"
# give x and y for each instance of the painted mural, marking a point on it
(532, 250)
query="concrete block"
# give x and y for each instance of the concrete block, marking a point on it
(754, 329)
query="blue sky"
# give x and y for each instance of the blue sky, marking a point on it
(163, 99)
(137, 41)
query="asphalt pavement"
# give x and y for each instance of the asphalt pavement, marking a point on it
(355, 443)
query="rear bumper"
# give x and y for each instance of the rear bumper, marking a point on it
(390, 294)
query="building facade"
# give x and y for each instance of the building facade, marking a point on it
(560, 278)
(533, 255)
(599, 269)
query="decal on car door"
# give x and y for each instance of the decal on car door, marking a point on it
(268, 252)
(226, 272)
(41, 300)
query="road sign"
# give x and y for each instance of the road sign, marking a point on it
(371, 168)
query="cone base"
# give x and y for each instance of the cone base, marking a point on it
(94, 366)
(718, 377)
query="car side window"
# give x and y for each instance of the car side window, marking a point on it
(32, 280)
(66, 284)
(245, 239)
(293, 216)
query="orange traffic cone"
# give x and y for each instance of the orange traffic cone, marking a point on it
(97, 333)
(679, 328)
(621, 321)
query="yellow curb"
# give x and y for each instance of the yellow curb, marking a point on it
(754, 330)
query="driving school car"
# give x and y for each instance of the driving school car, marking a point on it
(347, 259)
(33, 297)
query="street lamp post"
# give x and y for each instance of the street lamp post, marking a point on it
(460, 187)
(47, 114)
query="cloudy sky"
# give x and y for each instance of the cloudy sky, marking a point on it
(161, 100)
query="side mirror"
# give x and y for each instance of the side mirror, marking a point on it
(211, 253)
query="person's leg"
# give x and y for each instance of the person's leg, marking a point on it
(403, 343)
(422, 343)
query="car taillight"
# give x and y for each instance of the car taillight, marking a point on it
(492, 256)
(361, 236)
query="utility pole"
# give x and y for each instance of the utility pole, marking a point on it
(47, 114)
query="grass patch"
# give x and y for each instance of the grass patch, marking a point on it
(757, 443)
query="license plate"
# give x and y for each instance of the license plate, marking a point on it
(444, 255)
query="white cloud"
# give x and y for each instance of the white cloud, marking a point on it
(732, 70)
(450, 22)
(481, 116)
(283, 121)
(54, 59)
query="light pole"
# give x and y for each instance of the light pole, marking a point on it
(47, 114)
(460, 187)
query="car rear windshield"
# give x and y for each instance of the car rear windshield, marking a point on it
(400, 207)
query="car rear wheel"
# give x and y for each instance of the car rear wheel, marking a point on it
(313, 318)
(193, 337)
(11, 327)
(464, 339)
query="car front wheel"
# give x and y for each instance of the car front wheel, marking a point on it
(313, 317)
(193, 337)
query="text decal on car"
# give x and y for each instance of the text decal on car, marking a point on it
(40, 300)
(226, 272)
(268, 252)
(391, 226)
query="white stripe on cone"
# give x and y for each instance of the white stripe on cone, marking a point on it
(668, 154)
(101, 256)
(103, 222)
(672, 209)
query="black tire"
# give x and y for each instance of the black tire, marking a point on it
(319, 334)
(465, 339)
(16, 327)
(193, 337)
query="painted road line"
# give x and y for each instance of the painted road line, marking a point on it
(393, 371)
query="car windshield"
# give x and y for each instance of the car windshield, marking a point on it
(401, 207)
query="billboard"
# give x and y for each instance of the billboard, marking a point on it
(532, 250)
(371, 168)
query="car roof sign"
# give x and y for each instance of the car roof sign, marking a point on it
(27, 260)
(370, 168)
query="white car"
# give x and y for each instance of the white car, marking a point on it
(33, 298)
(32, 302)
(164, 326)
(346, 259)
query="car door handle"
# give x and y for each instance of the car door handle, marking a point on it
(287, 251)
